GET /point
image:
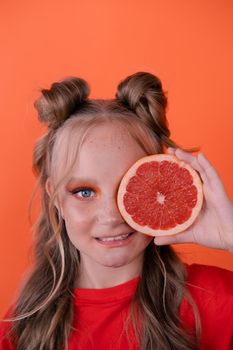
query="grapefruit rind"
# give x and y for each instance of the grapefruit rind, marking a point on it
(146, 229)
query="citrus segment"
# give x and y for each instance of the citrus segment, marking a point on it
(160, 195)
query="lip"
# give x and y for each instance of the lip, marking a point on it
(113, 236)
(117, 243)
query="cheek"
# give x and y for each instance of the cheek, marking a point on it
(78, 219)
(145, 240)
(141, 242)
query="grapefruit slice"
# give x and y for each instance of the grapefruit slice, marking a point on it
(160, 195)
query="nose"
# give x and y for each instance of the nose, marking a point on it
(108, 213)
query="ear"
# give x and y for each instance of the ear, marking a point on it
(50, 189)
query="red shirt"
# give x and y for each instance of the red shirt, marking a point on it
(100, 313)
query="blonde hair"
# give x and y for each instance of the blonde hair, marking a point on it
(43, 313)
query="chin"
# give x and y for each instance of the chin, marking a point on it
(116, 261)
(114, 264)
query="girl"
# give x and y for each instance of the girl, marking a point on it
(96, 283)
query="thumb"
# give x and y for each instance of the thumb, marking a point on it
(183, 237)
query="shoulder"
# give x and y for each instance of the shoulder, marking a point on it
(5, 327)
(210, 286)
(5, 342)
(212, 291)
(209, 280)
(210, 275)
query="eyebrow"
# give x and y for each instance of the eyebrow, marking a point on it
(82, 180)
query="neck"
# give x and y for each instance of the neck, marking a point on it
(96, 276)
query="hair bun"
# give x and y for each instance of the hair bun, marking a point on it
(138, 87)
(61, 100)
(143, 94)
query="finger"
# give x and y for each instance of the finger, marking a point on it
(183, 237)
(210, 172)
(188, 158)
(171, 150)
(193, 161)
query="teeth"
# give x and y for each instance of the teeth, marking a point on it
(117, 238)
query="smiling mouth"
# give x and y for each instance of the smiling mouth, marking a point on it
(116, 238)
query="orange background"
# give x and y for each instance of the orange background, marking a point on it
(188, 44)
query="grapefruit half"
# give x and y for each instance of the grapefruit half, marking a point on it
(160, 195)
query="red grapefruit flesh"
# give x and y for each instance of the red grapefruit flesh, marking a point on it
(160, 195)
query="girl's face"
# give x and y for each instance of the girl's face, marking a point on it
(89, 208)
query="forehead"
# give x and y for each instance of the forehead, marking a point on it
(87, 147)
(108, 149)
(108, 135)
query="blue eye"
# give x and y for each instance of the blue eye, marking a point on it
(84, 192)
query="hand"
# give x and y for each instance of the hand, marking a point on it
(214, 225)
